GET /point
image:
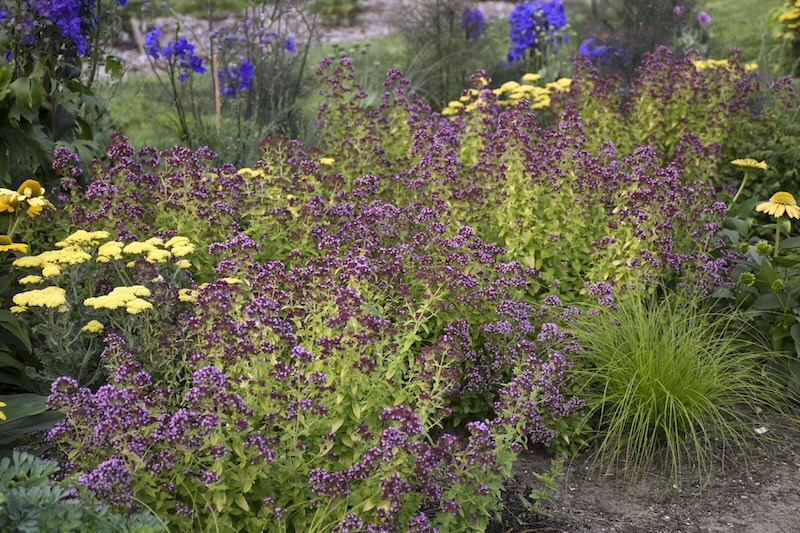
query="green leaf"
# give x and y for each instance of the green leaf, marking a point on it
(795, 332)
(767, 302)
(22, 405)
(12, 431)
(16, 327)
(791, 242)
(242, 502)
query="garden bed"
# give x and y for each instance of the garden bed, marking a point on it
(759, 495)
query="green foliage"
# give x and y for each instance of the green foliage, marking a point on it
(668, 379)
(441, 54)
(337, 12)
(771, 137)
(767, 290)
(25, 415)
(224, 109)
(46, 96)
(669, 98)
(742, 24)
(31, 503)
(637, 26)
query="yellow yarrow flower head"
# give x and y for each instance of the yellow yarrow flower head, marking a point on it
(187, 295)
(93, 326)
(82, 239)
(2, 414)
(780, 203)
(327, 161)
(29, 280)
(51, 270)
(183, 263)
(7, 245)
(109, 250)
(158, 256)
(139, 248)
(750, 163)
(30, 189)
(51, 297)
(177, 240)
(137, 305)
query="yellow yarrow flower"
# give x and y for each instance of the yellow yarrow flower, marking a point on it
(531, 77)
(183, 263)
(158, 256)
(50, 270)
(139, 248)
(119, 297)
(780, 203)
(28, 280)
(750, 163)
(251, 173)
(187, 295)
(109, 250)
(51, 297)
(155, 241)
(137, 305)
(327, 161)
(17, 309)
(93, 326)
(177, 240)
(83, 238)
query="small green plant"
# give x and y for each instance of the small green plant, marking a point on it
(668, 379)
(31, 502)
(767, 292)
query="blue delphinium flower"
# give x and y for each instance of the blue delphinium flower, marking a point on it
(473, 23)
(235, 79)
(66, 16)
(180, 50)
(289, 45)
(603, 54)
(534, 23)
(151, 42)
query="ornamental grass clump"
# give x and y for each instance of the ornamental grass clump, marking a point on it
(669, 382)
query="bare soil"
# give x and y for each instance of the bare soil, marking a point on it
(757, 492)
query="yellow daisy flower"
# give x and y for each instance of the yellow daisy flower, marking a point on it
(6, 245)
(30, 189)
(780, 203)
(750, 163)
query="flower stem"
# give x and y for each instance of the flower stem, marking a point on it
(777, 236)
(739, 191)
